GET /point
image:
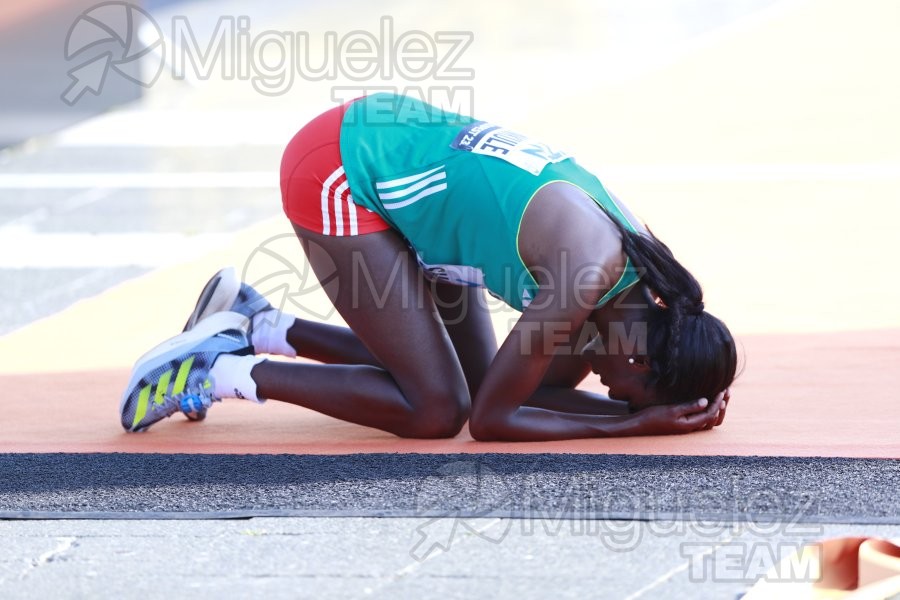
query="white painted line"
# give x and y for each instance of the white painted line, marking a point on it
(751, 172)
(21, 248)
(200, 179)
(76, 201)
(678, 569)
(700, 173)
(435, 551)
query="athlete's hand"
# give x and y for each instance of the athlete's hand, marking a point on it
(682, 418)
(725, 399)
(721, 417)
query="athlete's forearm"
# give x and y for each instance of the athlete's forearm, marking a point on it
(501, 408)
(531, 424)
(568, 400)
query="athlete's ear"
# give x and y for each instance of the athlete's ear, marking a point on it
(651, 297)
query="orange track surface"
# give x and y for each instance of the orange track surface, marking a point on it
(799, 268)
(801, 395)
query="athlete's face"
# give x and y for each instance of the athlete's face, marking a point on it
(618, 355)
(626, 381)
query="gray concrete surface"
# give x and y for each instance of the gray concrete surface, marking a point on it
(379, 558)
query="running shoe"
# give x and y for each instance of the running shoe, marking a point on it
(174, 376)
(225, 292)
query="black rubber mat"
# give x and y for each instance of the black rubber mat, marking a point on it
(557, 486)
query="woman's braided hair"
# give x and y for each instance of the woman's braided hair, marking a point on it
(692, 354)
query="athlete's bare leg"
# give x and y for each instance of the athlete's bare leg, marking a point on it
(462, 310)
(467, 321)
(420, 389)
(330, 344)
(466, 317)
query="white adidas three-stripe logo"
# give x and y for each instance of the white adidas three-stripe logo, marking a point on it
(408, 190)
(339, 198)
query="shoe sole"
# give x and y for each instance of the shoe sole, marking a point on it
(219, 294)
(180, 345)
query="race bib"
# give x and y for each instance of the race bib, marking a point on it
(492, 140)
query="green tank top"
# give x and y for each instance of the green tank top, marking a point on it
(456, 188)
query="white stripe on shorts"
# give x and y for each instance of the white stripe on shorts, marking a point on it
(338, 208)
(354, 222)
(326, 220)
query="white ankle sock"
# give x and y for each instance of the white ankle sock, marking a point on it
(270, 333)
(231, 377)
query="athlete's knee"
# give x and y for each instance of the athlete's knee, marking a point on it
(441, 416)
(486, 425)
(426, 427)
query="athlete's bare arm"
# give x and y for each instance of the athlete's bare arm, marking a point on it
(512, 402)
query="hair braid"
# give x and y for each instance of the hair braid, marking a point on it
(692, 354)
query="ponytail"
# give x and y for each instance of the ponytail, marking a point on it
(692, 353)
